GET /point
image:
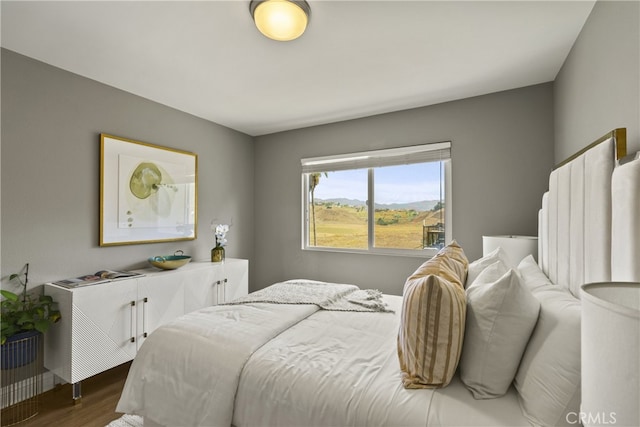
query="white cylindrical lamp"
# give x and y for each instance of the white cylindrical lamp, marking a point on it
(515, 247)
(610, 354)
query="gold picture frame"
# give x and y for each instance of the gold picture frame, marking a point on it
(148, 193)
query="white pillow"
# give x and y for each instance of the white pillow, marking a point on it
(477, 266)
(548, 379)
(531, 274)
(501, 315)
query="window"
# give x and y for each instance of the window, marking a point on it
(386, 201)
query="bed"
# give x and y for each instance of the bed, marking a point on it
(350, 357)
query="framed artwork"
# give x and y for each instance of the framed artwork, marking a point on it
(148, 193)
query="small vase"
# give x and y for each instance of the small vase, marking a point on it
(217, 254)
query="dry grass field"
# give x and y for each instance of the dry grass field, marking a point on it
(346, 227)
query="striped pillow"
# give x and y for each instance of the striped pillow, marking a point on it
(432, 320)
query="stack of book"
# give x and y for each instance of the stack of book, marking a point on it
(101, 276)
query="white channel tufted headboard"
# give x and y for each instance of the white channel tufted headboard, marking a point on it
(589, 224)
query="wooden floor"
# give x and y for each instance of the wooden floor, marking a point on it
(100, 395)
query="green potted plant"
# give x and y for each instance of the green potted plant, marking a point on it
(23, 316)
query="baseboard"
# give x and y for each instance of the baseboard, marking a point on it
(48, 381)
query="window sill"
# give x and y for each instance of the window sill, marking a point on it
(426, 253)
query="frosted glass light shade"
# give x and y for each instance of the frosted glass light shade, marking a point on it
(610, 354)
(281, 20)
(516, 247)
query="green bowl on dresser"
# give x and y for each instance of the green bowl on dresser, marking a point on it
(169, 262)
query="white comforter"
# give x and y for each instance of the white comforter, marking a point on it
(186, 373)
(342, 369)
(303, 367)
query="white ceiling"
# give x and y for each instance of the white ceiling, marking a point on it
(357, 58)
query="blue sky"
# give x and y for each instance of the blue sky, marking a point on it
(393, 184)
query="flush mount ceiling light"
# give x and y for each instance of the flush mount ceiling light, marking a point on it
(280, 20)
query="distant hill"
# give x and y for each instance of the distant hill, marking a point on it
(343, 202)
(424, 205)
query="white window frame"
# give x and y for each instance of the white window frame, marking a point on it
(370, 160)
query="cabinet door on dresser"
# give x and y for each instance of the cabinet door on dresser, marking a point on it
(201, 288)
(160, 300)
(96, 329)
(236, 279)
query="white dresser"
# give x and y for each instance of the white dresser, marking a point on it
(104, 325)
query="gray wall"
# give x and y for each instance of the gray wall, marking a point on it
(502, 152)
(51, 121)
(598, 87)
